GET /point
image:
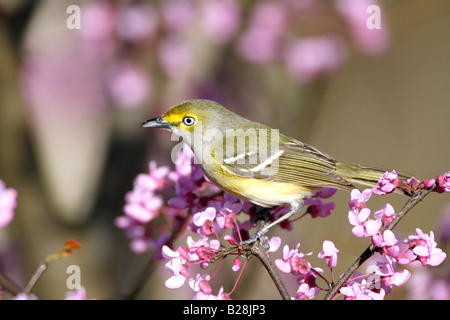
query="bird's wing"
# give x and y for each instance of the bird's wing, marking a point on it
(293, 162)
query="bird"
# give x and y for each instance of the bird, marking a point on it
(255, 162)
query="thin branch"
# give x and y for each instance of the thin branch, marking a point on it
(257, 249)
(69, 246)
(9, 285)
(36, 276)
(371, 249)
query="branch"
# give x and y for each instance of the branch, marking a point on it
(69, 246)
(36, 276)
(9, 285)
(371, 249)
(257, 249)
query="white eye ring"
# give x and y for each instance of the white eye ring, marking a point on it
(189, 121)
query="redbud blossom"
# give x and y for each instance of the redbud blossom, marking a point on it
(387, 183)
(329, 252)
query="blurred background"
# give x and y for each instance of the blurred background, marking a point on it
(77, 78)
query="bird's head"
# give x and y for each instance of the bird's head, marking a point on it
(188, 117)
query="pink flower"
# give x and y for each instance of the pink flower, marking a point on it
(178, 203)
(8, 203)
(220, 296)
(140, 245)
(137, 23)
(443, 183)
(386, 214)
(306, 292)
(204, 220)
(316, 207)
(367, 40)
(258, 46)
(158, 174)
(129, 85)
(425, 248)
(220, 19)
(326, 193)
(270, 16)
(364, 287)
(307, 285)
(413, 183)
(261, 41)
(385, 268)
(425, 285)
(293, 261)
(202, 250)
(200, 217)
(227, 214)
(142, 204)
(319, 209)
(179, 272)
(329, 252)
(429, 183)
(359, 199)
(183, 164)
(405, 256)
(146, 209)
(79, 294)
(99, 20)
(236, 264)
(308, 58)
(176, 266)
(200, 283)
(363, 227)
(24, 296)
(372, 227)
(353, 292)
(169, 253)
(399, 278)
(284, 264)
(175, 57)
(387, 241)
(177, 15)
(274, 243)
(387, 183)
(230, 239)
(358, 291)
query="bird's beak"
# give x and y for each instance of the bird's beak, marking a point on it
(156, 123)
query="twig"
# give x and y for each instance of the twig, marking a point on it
(257, 249)
(371, 249)
(69, 246)
(9, 285)
(36, 276)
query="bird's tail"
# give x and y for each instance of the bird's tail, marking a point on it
(359, 175)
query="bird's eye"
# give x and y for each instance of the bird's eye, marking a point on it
(189, 121)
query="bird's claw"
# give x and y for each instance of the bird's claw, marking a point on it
(258, 236)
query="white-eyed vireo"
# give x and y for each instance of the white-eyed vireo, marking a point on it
(257, 163)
